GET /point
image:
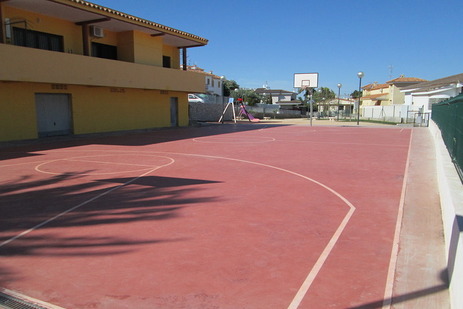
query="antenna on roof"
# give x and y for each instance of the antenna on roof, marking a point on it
(391, 67)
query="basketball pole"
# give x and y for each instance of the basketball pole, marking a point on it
(308, 94)
(307, 81)
(310, 90)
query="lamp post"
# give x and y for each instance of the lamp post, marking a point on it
(360, 75)
(339, 94)
(324, 107)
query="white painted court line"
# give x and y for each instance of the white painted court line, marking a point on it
(387, 300)
(80, 205)
(315, 269)
(38, 168)
(328, 248)
(234, 140)
(321, 260)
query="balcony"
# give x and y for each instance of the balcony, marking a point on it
(23, 64)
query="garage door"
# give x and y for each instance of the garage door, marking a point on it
(53, 114)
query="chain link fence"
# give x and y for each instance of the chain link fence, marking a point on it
(448, 115)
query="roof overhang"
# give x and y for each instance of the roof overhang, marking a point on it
(435, 91)
(377, 97)
(84, 12)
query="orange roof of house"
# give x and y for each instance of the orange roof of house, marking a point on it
(374, 96)
(375, 86)
(403, 79)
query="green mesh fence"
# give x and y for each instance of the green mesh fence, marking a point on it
(448, 115)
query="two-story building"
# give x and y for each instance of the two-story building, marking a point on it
(75, 67)
(389, 93)
(422, 96)
(375, 94)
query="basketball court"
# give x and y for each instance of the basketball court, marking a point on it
(219, 216)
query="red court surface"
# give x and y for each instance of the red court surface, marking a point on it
(219, 216)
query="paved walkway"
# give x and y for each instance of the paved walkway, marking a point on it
(421, 275)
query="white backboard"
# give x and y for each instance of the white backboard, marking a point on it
(303, 80)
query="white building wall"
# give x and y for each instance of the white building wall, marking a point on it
(420, 100)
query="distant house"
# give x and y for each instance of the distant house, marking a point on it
(344, 106)
(286, 99)
(389, 93)
(213, 87)
(375, 94)
(421, 97)
(395, 85)
(75, 67)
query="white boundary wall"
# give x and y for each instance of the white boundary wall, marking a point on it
(451, 196)
(396, 113)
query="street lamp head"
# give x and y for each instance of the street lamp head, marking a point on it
(360, 74)
(339, 85)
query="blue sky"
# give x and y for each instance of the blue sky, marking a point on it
(255, 42)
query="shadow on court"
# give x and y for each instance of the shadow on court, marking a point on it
(400, 299)
(26, 203)
(22, 149)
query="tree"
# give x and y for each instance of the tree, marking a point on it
(249, 96)
(355, 94)
(322, 97)
(323, 94)
(229, 86)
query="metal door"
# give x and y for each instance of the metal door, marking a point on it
(174, 112)
(53, 114)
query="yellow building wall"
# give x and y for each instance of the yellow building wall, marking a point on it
(98, 109)
(101, 109)
(133, 46)
(94, 109)
(397, 96)
(106, 95)
(43, 66)
(148, 49)
(17, 112)
(72, 34)
(173, 53)
(125, 46)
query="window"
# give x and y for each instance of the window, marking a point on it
(104, 51)
(36, 39)
(166, 63)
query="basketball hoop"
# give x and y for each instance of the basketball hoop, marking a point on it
(307, 82)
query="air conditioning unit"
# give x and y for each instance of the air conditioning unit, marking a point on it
(97, 32)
